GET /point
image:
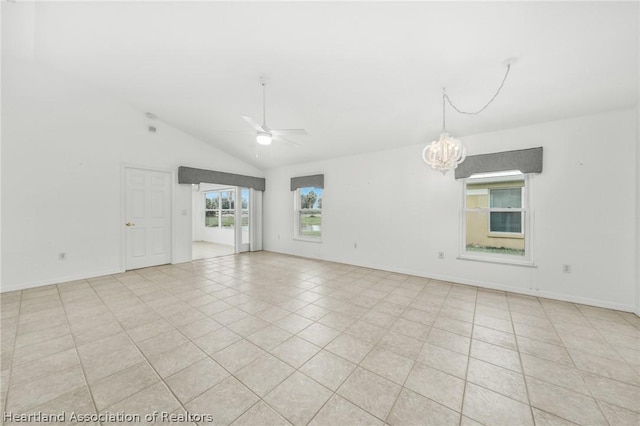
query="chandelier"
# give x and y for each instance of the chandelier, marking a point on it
(447, 153)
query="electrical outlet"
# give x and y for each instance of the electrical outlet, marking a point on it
(566, 269)
(440, 255)
(278, 236)
(355, 245)
(62, 256)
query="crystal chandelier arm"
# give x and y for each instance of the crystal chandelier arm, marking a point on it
(445, 96)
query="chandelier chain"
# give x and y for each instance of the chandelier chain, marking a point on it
(264, 104)
(446, 97)
(444, 94)
(447, 153)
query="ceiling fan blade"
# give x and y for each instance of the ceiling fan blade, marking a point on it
(280, 138)
(234, 132)
(279, 132)
(253, 124)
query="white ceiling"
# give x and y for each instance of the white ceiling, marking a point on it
(358, 76)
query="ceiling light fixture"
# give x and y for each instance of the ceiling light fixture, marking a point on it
(264, 135)
(447, 153)
(264, 138)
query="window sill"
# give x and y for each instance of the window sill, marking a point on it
(308, 240)
(505, 235)
(501, 261)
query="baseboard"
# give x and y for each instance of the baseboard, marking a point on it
(489, 285)
(58, 280)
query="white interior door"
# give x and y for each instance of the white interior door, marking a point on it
(147, 218)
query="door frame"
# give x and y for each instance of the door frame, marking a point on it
(255, 210)
(238, 246)
(123, 210)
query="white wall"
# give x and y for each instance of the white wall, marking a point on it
(637, 310)
(63, 147)
(584, 212)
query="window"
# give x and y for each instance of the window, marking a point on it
(496, 222)
(227, 208)
(211, 209)
(244, 216)
(244, 194)
(507, 222)
(308, 213)
(219, 209)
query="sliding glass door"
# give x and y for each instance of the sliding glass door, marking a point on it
(243, 219)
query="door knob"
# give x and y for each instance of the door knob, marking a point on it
(130, 224)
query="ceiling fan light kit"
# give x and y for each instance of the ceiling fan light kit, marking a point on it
(447, 153)
(264, 138)
(264, 134)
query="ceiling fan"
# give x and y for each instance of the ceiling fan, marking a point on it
(264, 134)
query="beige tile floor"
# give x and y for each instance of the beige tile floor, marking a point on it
(269, 339)
(205, 250)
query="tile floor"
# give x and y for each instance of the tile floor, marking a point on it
(205, 250)
(269, 339)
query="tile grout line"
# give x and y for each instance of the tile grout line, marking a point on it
(321, 349)
(357, 365)
(466, 374)
(624, 360)
(332, 311)
(75, 348)
(524, 376)
(137, 349)
(414, 361)
(13, 350)
(182, 405)
(236, 287)
(210, 356)
(576, 366)
(297, 370)
(334, 393)
(207, 355)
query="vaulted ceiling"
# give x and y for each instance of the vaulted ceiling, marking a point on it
(359, 76)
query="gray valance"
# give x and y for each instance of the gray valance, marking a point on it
(196, 176)
(315, 181)
(525, 160)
